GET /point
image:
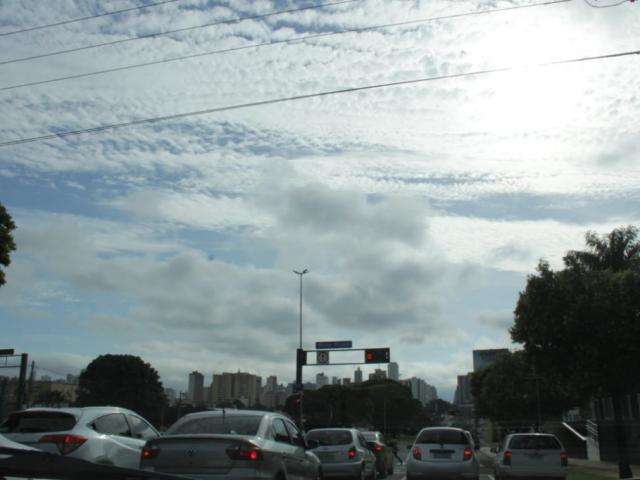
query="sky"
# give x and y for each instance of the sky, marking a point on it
(418, 209)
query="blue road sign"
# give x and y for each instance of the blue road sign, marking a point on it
(334, 345)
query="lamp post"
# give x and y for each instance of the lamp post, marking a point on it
(300, 274)
(300, 352)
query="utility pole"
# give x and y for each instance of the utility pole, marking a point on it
(22, 381)
(30, 396)
(538, 403)
(300, 354)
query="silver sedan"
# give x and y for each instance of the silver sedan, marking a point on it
(446, 453)
(239, 444)
(344, 452)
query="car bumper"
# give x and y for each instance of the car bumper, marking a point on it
(341, 469)
(431, 470)
(534, 473)
(236, 474)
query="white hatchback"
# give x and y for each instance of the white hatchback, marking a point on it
(106, 435)
(537, 455)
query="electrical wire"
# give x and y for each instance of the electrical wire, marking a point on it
(593, 5)
(279, 42)
(302, 97)
(90, 17)
(177, 30)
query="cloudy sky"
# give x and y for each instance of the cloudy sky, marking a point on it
(418, 209)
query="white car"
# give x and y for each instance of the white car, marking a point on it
(443, 452)
(529, 455)
(106, 435)
(344, 452)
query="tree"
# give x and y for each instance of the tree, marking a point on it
(124, 381)
(7, 244)
(580, 324)
(511, 393)
(51, 398)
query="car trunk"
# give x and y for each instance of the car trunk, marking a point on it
(334, 453)
(29, 427)
(535, 459)
(205, 454)
(438, 452)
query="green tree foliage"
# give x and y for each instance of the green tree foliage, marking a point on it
(582, 323)
(7, 244)
(50, 398)
(507, 392)
(123, 381)
(372, 404)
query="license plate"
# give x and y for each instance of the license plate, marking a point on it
(441, 455)
(327, 456)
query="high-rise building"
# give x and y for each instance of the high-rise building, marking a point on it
(195, 392)
(357, 376)
(242, 386)
(322, 380)
(378, 374)
(463, 391)
(393, 371)
(421, 390)
(484, 358)
(335, 381)
(272, 383)
(170, 393)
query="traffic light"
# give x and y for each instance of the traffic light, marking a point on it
(377, 355)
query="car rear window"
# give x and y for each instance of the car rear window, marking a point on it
(534, 442)
(331, 437)
(38, 422)
(370, 436)
(229, 424)
(449, 437)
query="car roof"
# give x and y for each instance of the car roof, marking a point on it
(80, 411)
(334, 429)
(533, 434)
(452, 429)
(233, 412)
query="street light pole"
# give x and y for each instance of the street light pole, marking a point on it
(300, 352)
(300, 274)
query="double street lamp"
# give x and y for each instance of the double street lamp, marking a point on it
(300, 274)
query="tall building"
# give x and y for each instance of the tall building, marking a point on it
(484, 358)
(357, 376)
(421, 390)
(242, 386)
(322, 380)
(393, 371)
(378, 374)
(195, 392)
(272, 383)
(335, 381)
(463, 391)
(170, 393)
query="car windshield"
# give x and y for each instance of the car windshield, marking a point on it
(38, 422)
(230, 424)
(447, 437)
(331, 437)
(415, 220)
(534, 442)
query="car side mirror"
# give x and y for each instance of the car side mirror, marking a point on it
(312, 444)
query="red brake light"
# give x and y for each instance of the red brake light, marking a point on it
(66, 443)
(149, 451)
(564, 459)
(377, 448)
(352, 452)
(468, 454)
(250, 453)
(506, 458)
(417, 453)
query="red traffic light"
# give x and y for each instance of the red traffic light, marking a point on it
(377, 355)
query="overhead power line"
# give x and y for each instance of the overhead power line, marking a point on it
(90, 17)
(177, 30)
(302, 97)
(280, 42)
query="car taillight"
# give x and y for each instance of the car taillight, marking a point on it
(149, 451)
(352, 452)
(252, 454)
(66, 443)
(417, 453)
(468, 454)
(377, 448)
(506, 458)
(564, 459)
